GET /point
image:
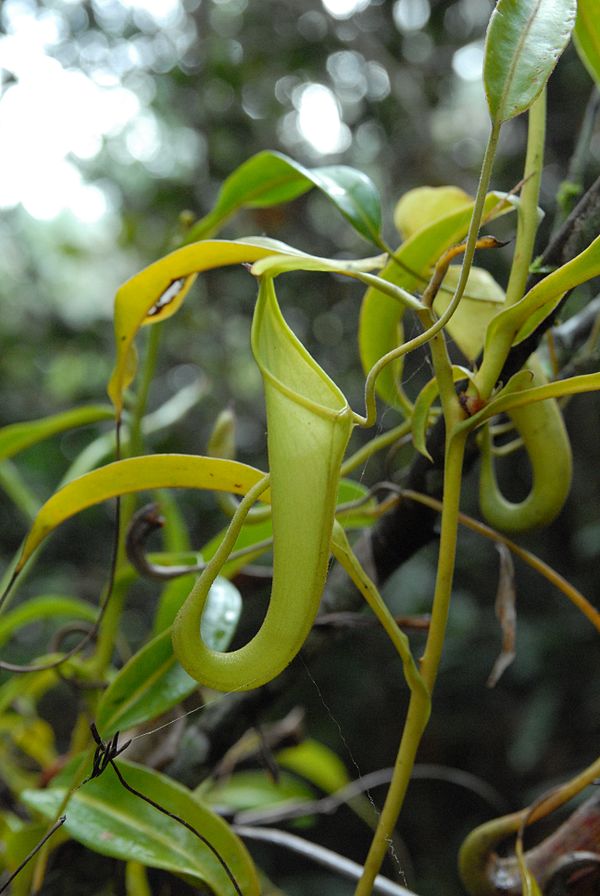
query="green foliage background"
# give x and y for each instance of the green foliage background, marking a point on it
(218, 84)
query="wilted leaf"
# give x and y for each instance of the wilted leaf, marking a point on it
(506, 613)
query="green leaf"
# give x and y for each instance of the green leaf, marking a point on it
(108, 819)
(153, 681)
(586, 36)
(50, 606)
(18, 839)
(354, 195)
(524, 41)
(18, 436)
(483, 300)
(520, 320)
(256, 790)
(271, 178)
(380, 327)
(350, 490)
(30, 686)
(543, 298)
(315, 762)
(133, 475)
(514, 395)
(280, 264)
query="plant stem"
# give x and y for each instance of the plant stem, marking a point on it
(419, 705)
(374, 445)
(528, 210)
(418, 708)
(125, 507)
(141, 403)
(18, 491)
(416, 720)
(455, 448)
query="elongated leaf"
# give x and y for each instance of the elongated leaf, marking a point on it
(516, 323)
(315, 762)
(141, 300)
(153, 681)
(380, 328)
(18, 436)
(50, 606)
(354, 195)
(157, 292)
(309, 424)
(256, 790)
(524, 41)
(509, 399)
(108, 819)
(587, 36)
(271, 178)
(543, 298)
(133, 475)
(279, 264)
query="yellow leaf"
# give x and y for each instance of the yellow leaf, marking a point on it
(133, 475)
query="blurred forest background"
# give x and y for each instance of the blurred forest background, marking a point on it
(118, 115)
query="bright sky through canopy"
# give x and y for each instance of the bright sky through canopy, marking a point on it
(51, 116)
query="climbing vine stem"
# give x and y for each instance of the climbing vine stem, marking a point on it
(418, 708)
(419, 704)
